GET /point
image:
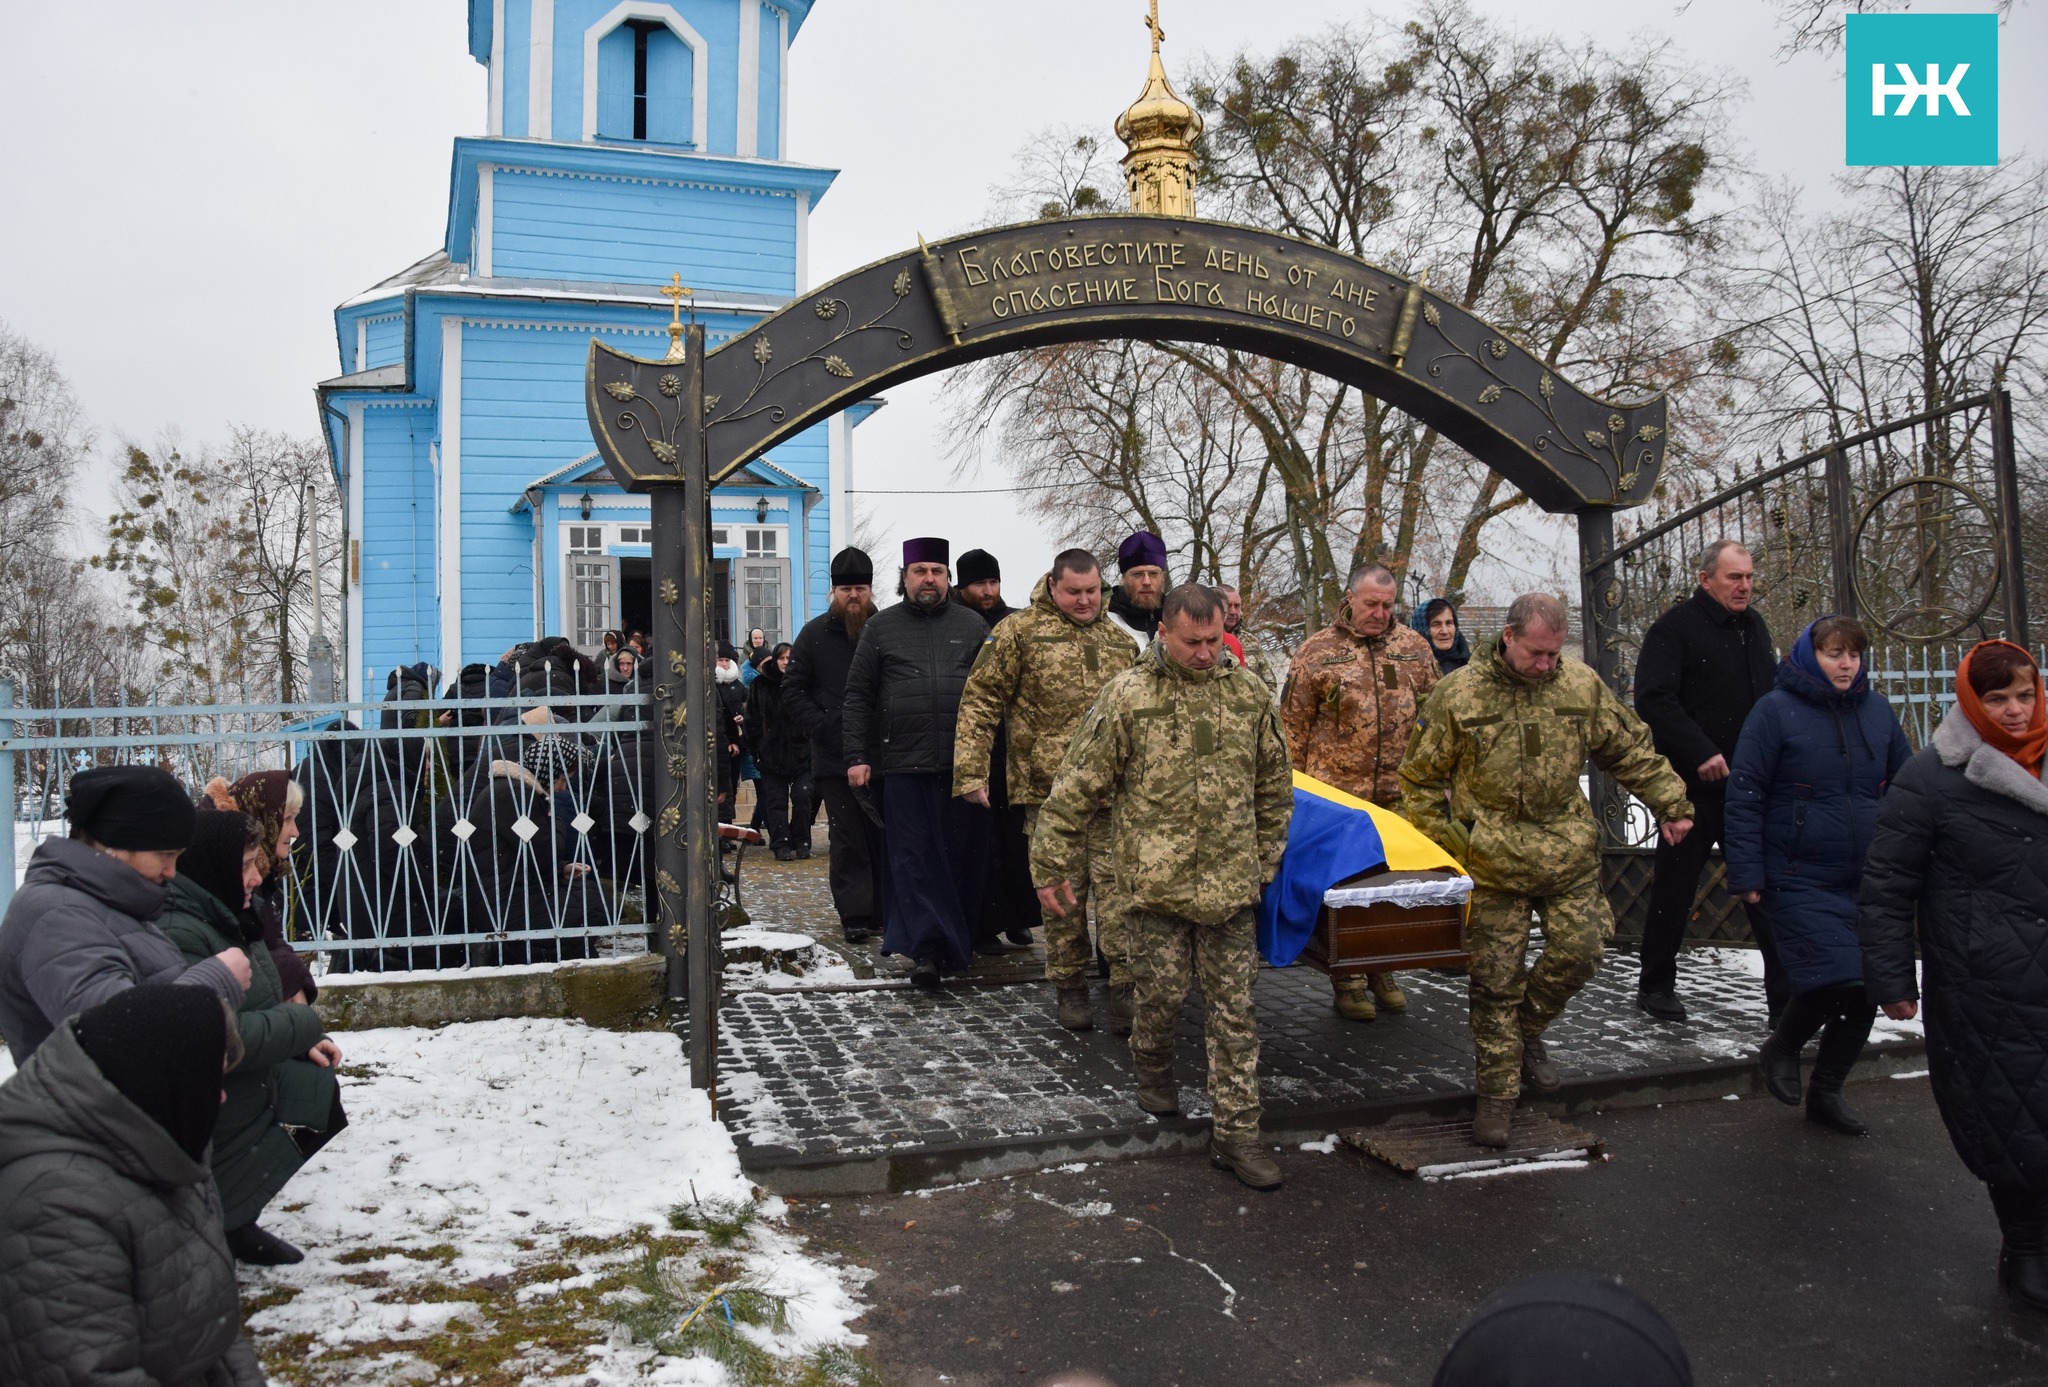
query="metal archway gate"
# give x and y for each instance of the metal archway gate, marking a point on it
(675, 427)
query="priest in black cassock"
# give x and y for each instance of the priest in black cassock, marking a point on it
(897, 721)
(1008, 910)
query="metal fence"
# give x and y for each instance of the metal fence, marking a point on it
(433, 833)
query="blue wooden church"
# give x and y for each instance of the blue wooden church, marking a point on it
(629, 140)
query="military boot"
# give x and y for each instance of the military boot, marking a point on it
(1354, 999)
(1075, 1014)
(1158, 1094)
(1388, 993)
(1247, 1160)
(1538, 1073)
(1121, 1008)
(1491, 1121)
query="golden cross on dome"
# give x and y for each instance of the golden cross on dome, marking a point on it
(1152, 23)
(676, 293)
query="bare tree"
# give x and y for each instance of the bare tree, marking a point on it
(279, 491)
(1816, 26)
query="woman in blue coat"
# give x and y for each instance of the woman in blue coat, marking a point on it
(1816, 756)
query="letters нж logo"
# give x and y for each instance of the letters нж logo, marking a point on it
(1922, 89)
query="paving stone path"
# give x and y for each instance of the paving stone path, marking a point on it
(828, 1073)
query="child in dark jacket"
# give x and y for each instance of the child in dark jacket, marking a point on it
(1816, 756)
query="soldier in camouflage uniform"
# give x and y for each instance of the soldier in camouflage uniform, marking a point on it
(1186, 751)
(1492, 774)
(1349, 706)
(1038, 672)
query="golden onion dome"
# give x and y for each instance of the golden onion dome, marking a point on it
(1159, 131)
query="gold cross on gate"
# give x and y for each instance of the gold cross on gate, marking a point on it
(675, 292)
(1152, 23)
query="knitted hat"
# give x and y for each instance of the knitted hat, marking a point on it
(164, 1047)
(976, 566)
(134, 808)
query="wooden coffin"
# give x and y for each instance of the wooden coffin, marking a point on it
(1386, 935)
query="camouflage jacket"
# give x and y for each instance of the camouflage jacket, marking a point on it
(1037, 672)
(1193, 769)
(1493, 770)
(1255, 660)
(1350, 706)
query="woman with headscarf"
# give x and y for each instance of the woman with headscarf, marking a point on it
(80, 928)
(1437, 622)
(287, 1070)
(273, 799)
(1810, 771)
(1960, 866)
(112, 1264)
(782, 753)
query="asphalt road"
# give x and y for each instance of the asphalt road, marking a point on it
(1782, 1254)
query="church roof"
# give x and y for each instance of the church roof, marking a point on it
(591, 468)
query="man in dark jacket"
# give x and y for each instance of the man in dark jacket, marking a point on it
(812, 691)
(1704, 665)
(897, 723)
(1008, 910)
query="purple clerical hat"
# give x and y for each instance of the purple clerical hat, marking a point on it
(1139, 551)
(926, 550)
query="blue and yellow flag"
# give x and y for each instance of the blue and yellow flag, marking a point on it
(1333, 837)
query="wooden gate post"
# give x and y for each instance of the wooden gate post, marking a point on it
(1841, 529)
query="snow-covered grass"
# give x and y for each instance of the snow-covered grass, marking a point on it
(513, 1200)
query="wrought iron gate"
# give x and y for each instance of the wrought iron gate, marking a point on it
(1916, 525)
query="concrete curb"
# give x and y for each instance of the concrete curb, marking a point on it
(955, 1163)
(613, 994)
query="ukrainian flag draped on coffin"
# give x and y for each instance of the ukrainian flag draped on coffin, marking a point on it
(1333, 837)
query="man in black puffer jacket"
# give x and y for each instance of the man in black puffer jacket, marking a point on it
(897, 724)
(1704, 665)
(812, 690)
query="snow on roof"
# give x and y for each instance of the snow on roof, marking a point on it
(591, 468)
(429, 269)
(390, 377)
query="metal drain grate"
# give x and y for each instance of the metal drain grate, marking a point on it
(1435, 1150)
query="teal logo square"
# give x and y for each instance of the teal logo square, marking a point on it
(1922, 89)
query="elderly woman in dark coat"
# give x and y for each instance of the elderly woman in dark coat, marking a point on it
(112, 1265)
(1436, 621)
(274, 800)
(287, 1068)
(1960, 863)
(81, 927)
(1816, 756)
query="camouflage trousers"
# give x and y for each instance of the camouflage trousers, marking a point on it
(1067, 952)
(1167, 954)
(1511, 1002)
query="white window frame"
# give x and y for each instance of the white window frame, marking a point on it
(570, 605)
(700, 65)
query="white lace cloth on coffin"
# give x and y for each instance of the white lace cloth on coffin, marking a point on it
(1452, 890)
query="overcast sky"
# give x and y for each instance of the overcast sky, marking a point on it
(188, 189)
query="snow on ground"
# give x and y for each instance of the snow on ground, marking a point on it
(487, 1155)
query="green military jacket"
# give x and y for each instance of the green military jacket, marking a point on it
(1492, 772)
(1193, 769)
(1038, 671)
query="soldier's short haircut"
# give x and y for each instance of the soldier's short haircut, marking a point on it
(1074, 561)
(1536, 609)
(1193, 601)
(1710, 557)
(1372, 573)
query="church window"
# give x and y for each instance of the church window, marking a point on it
(643, 84)
(586, 539)
(635, 534)
(762, 543)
